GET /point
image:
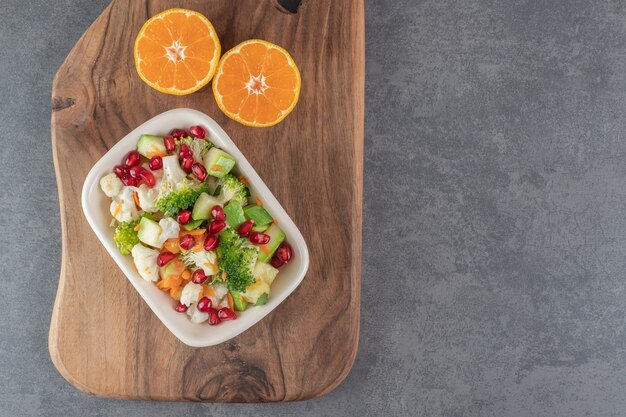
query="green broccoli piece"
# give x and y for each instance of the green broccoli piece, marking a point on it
(184, 197)
(236, 260)
(230, 188)
(125, 236)
(199, 147)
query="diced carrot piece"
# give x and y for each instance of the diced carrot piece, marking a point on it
(258, 201)
(186, 275)
(175, 293)
(275, 222)
(136, 198)
(172, 245)
(208, 291)
(197, 248)
(223, 275)
(195, 232)
(242, 179)
(136, 228)
(231, 302)
(117, 209)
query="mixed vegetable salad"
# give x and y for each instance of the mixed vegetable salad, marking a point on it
(189, 225)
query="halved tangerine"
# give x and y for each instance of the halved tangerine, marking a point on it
(177, 51)
(257, 83)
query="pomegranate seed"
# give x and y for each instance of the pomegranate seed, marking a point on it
(204, 304)
(178, 133)
(226, 314)
(275, 262)
(245, 228)
(213, 317)
(120, 171)
(198, 276)
(187, 242)
(170, 143)
(284, 252)
(156, 162)
(135, 172)
(164, 258)
(132, 159)
(184, 216)
(128, 180)
(147, 177)
(211, 242)
(217, 212)
(181, 308)
(199, 171)
(184, 152)
(198, 131)
(259, 238)
(216, 226)
(187, 164)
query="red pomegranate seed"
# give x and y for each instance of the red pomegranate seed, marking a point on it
(170, 143)
(164, 258)
(128, 180)
(284, 252)
(147, 177)
(245, 228)
(204, 304)
(187, 242)
(226, 314)
(132, 159)
(156, 162)
(184, 152)
(217, 212)
(199, 171)
(275, 262)
(198, 131)
(178, 133)
(216, 226)
(184, 216)
(120, 171)
(213, 317)
(135, 172)
(211, 242)
(198, 276)
(187, 164)
(259, 238)
(181, 308)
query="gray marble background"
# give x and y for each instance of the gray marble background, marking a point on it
(494, 228)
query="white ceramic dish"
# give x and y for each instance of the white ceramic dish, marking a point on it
(96, 208)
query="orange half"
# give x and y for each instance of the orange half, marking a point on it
(177, 51)
(257, 83)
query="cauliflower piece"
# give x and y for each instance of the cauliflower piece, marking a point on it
(172, 172)
(145, 262)
(147, 197)
(123, 206)
(195, 315)
(206, 260)
(111, 185)
(169, 230)
(191, 294)
(220, 299)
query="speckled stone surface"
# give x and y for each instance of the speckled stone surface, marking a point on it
(494, 245)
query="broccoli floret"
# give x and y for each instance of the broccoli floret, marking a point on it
(236, 260)
(199, 147)
(125, 236)
(184, 197)
(230, 188)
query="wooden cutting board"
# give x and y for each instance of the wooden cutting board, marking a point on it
(103, 338)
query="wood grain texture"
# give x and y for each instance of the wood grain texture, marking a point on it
(103, 337)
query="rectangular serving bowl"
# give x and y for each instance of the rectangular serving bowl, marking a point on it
(96, 208)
